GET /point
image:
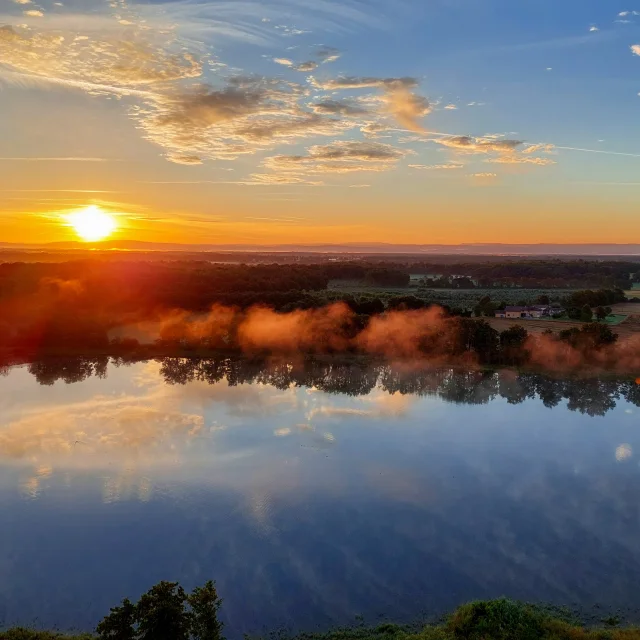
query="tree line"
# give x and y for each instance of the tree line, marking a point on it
(76, 305)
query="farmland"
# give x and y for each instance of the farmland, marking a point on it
(461, 298)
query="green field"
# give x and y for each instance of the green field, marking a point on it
(613, 320)
(466, 298)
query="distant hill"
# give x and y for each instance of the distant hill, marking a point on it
(354, 247)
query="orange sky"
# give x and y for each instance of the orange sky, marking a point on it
(258, 134)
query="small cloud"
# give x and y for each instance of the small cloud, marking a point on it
(310, 65)
(484, 175)
(437, 167)
(549, 68)
(539, 148)
(281, 433)
(451, 107)
(593, 28)
(338, 107)
(509, 159)
(185, 159)
(624, 452)
(265, 179)
(635, 49)
(291, 31)
(22, 1)
(487, 144)
(401, 102)
(266, 20)
(327, 54)
(34, 13)
(339, 157)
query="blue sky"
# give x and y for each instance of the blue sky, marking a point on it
(223, 119)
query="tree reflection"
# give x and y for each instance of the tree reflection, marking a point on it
(590, 396)
(69, 370)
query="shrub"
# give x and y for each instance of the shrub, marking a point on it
(498, 620)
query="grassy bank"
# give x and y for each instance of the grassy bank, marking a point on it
(492, 620)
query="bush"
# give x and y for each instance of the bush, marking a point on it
(591, 336)
(497, 620)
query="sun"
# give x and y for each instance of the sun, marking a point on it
(92, 224)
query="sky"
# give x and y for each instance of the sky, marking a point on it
(290, 121)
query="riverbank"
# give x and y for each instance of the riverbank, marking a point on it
(492, 620)
(64, 357)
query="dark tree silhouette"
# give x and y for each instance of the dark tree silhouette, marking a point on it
(166, 612)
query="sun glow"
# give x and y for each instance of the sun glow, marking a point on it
(92, 224)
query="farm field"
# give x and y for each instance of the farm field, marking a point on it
(629, 326)
(626, 308)
(614, 319)
(467, 298)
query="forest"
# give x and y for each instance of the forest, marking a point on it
(79, 308)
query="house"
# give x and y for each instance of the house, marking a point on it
(531, 312)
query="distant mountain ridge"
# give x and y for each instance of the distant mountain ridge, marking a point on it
(542, 249)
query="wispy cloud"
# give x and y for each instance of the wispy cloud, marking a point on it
(600, 151)
(59, 191)
(501, 150)
(57, 159)
(260, 23)
(437, 167)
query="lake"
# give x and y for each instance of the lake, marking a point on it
(313, 492)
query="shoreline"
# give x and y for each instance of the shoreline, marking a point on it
(500, 619)
(157, 352)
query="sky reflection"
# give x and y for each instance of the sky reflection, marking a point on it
(310, 507)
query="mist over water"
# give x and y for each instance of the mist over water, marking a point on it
(312, 491)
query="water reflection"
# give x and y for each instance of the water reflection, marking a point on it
(312, 490)
(592, 396)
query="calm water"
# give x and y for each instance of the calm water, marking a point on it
(312, 493)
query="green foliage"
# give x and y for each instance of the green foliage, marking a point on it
(388, 277)
(592, 336)
(205, 604)
(498, 620)
(28, 634)
(488, 620)
(161, 614)
(586, 315)
(512, 345)
(514, 336)
(120, 623)
(166, 612)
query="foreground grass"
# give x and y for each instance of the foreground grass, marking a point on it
(491, 620)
